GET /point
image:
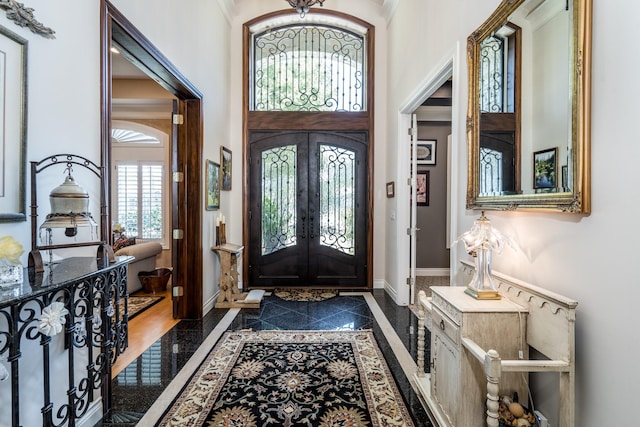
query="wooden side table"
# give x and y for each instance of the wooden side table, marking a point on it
(230, 295)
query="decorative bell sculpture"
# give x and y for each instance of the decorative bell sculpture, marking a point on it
(69, 208)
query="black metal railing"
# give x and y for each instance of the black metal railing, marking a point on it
(73, 315)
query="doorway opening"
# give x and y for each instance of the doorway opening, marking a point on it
(186, 153)
(451, 147)
(430, 248)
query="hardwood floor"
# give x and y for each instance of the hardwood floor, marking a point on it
(145, 329)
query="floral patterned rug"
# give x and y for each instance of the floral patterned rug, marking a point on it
(291, 378)
(305, 294)
(139, 303)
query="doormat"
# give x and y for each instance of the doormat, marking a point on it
(305, 294)
(138, 304)
(291, 378)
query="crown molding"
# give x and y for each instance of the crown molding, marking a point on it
(389, 7)
(228, 8)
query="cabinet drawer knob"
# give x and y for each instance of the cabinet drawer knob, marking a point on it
(442, 324)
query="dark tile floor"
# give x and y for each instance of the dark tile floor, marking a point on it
(139, 385)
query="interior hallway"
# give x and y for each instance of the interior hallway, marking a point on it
(138, 385)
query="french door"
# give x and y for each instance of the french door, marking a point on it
(308, 209)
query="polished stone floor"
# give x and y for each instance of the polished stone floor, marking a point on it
(137, 387)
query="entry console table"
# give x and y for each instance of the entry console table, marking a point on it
(481, 348)
(230, 295)
(61, 331)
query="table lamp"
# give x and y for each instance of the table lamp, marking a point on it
(480, 242)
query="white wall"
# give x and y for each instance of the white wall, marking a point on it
(194, 35)
(64, 87)
(590, 259)
(64, 91)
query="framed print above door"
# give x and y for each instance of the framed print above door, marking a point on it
(13, 127)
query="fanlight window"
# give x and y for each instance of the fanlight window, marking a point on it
(308, 68)
(132, 136)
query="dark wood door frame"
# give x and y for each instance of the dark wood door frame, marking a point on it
(308, 121)
(186, 152)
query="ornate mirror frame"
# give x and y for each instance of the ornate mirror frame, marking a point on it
(578, 198)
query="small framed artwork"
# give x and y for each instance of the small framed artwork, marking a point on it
(422, 188)
(426, 152)
(225, 173)
(213, 185)
(391, 189)
(545, 169)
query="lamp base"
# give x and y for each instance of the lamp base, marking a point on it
(483, 294)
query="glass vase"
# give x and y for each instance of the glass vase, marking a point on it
(11, 274)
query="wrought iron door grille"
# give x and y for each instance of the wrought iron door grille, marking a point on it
(492, 75)
(337, 198)
(490, 172)
(308, 68)
(278, 205)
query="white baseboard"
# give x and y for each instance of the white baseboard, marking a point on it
(433, 271)
(210, 303)
(391, 292)
(93, 415)
(379, 284)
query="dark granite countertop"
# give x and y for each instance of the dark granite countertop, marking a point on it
(56, 276)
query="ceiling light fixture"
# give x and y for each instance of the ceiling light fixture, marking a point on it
(302, 6)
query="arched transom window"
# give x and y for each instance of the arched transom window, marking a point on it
(312, 66)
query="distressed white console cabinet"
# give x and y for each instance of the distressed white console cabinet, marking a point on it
(480, 350)
(457, 380)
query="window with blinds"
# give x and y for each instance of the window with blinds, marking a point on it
(145, 370)
(139, 199)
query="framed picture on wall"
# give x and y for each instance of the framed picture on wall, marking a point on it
(13, 113)
(225, 173)
(545, 169)
(391, 189)
(422, 188)
(213, 186)
(426, 152)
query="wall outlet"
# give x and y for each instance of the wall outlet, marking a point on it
(542, 420)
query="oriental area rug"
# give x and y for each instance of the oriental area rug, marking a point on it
(138, 303)
(291, 378)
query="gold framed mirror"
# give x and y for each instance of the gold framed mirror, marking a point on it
(529, 108)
